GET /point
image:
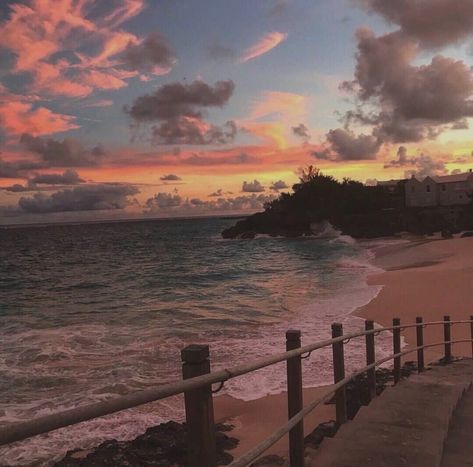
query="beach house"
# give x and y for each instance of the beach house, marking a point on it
(445, 190)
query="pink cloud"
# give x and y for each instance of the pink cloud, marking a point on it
(99, 103)
(43, 28)
(19, 116)
(264, 45)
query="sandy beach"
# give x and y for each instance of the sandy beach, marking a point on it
(425, 278)
(429, 278)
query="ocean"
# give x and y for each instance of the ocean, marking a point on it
(93, 311)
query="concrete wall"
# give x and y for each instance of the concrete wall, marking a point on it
(429, 193)
(422, 194)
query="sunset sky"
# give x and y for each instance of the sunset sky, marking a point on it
(124, 108)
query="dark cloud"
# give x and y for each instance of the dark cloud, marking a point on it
(164, 201)
(422, 166)
(81, 198)
(170, 178)
(69, 177)
(219, 193)
(407, 103)
(242, 158)
(252, 187)
(173, 202)
(18, 169)
(460, 125)
(344, 145)
(180, 109)
(17, 188)
(152, 55)
(219, 52)
(425, 166)
(301, 130)
(434, 23)
(193, 131)
(402, 159)
(400, 100)
(279, 185)
(66, 153)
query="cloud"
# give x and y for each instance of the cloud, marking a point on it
(301, 130)
(434, 23)
(69, 177)
(219, 193)
(402, 159)
(81, 198)
(426, 166)
(179, 110)
(220, 52)
(152, 55)
(209, 160)
(403, 102)
(423, 165)
(46, 39)
(279, 185)
(252, 187)
(66, 153)
(344, 145)
(164, 201)
(19, 168)
(20, 114)
(173, 202)
(263, 46)
(17, 188)
(99, 103)
(170, 178)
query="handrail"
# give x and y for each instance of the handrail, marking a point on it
(278, 434)
(47, 423)
(24, 430)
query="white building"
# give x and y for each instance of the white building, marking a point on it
(446, 190)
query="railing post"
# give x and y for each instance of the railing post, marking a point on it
(370, 359)
(420, 343)
(294, 399)
(447, 338)
(397, 349)
(471, 334)
(339, 374)
(199, 409)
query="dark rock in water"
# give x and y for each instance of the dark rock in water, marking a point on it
(269, 461)
(247, 235)
(467, 234)
(164, 445)
(323, 430)
(446, 233)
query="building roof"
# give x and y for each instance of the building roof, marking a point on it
(463, 177)
(389, 182)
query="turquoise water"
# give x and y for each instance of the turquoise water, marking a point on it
(91, 311)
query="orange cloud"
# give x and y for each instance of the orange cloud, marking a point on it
(19, 117)
(19, 114)
(273, 133)
(286, 105)
(264, 45)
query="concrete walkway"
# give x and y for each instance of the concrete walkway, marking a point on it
(424, 421)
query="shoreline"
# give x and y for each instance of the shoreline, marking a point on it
(424, 277)
(414, 277)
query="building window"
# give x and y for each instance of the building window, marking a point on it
(428, 188)
(444, 187)
(413, 189)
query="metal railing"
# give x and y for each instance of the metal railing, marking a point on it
(198, 380)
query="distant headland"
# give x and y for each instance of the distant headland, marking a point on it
(410, 205)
